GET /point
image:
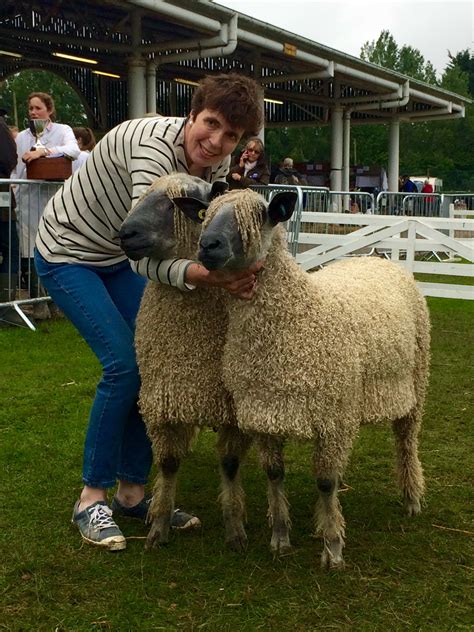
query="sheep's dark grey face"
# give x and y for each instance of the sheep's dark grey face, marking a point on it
(220, 246)
(149, 230)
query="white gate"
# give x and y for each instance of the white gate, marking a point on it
(411, 241)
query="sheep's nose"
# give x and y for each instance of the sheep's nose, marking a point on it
(210, 243)
(126, 233)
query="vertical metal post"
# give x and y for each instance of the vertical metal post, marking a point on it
(136, 71)
(336, 150)
(393, 155)
(150, 86)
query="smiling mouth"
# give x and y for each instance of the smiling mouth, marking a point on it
(207, 153)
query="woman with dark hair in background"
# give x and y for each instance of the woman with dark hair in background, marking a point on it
(86, 141)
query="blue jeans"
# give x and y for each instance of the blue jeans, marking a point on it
(102, 303)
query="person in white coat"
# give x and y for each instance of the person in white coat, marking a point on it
(57, 139)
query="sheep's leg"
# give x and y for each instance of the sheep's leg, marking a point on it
(170, 444)
(330, 458)
(330, 521)
(271, 457)
(409, 470)
(232, 446)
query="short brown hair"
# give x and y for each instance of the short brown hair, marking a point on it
(47, 100)
(87, 137)
(236, 97)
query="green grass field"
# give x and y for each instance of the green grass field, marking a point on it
(401, 574)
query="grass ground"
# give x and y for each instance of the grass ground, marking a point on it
(402, 574)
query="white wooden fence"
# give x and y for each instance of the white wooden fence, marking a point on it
(421, 244)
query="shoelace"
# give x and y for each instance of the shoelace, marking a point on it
(101, 517)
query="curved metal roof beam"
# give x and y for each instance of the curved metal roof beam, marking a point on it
(178, 13)
(384, 104)
(229, 34)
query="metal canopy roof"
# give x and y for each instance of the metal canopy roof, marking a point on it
(182, 39)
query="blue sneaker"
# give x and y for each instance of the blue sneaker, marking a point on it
(180, 520)
(97, 526)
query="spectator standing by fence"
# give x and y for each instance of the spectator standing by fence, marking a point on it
(250, 167)
(408, 186)
(31, 199)
(287, 174)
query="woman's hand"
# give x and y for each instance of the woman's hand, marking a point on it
(40, 152)
(243, 158)
(241, 284)
(236, 176)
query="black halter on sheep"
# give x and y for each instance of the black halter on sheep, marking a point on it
(179, 342)
(314, 356)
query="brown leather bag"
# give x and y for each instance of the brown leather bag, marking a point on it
(58, 168)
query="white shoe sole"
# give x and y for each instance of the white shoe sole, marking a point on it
(194, 523)
(115, 543)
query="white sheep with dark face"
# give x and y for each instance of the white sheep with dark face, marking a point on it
(179, 343)
(314, 356)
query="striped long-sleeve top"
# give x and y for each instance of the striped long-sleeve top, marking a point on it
(81, 222)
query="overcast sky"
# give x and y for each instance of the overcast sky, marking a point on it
(431, 27)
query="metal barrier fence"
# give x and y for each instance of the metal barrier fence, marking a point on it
(22, 203)
(311, 199)
(414, 204)
(351, 202)
(460, 201)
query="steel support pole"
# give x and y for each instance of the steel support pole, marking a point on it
(393, 155)
(336, 148)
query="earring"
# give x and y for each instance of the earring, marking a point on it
(190, 122)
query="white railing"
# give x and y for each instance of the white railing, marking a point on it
(408, 240)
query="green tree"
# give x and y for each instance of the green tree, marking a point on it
(407, 60)
(69, 108)
(464, 62)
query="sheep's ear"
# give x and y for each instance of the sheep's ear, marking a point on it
(218, 188)
(281, 206)
(193, 208)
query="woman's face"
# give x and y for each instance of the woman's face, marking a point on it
(253, 152)
(37, 109)
(209, 138)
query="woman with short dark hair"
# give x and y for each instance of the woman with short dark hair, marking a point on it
(82, 265)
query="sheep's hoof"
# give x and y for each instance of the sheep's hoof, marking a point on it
(157, 536)
(238, 543)
(412, 507)
(331, 557)
(281, 546)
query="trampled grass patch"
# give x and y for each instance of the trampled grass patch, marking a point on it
(401, 573)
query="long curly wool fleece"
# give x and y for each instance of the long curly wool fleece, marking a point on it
(343, 346)
(179, 341)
